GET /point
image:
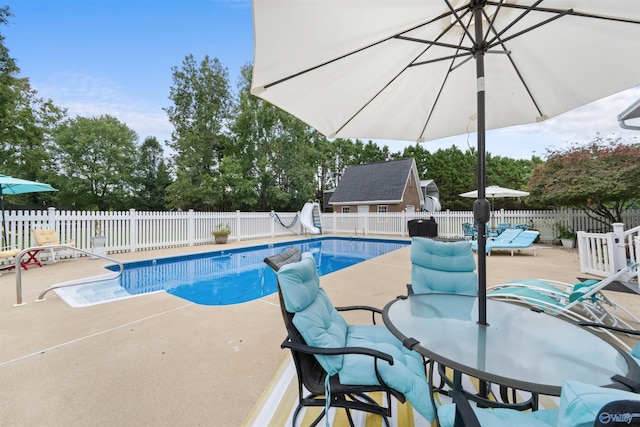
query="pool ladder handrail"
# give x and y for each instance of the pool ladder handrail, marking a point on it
(22, 253)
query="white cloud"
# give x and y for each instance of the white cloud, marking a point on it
(90, 96)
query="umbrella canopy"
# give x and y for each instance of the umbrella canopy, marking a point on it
(10, 185)
(494, 191)
(420, 70)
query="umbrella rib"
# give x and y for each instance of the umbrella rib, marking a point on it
(315, 67)
(571, 12)
(531, 28)
(433, 42)
(411, 39)
(444, 82)
(511, 24)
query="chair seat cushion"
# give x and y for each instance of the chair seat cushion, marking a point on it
(580, 403)
(9, 253)
(407, 374)
(502, 417)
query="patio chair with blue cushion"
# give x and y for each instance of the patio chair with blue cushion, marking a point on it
(469, 231)
(580, 406)
(582, 301)
(489, 233)
(442, 267)
(502, 226)
(338, 363)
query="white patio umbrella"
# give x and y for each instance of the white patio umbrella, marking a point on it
(494, 191)
(424, 69)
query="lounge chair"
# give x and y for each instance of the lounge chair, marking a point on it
(524, 240)
(442, 267)
(505, 238)
(512, 240)
(49, 237)
(338, 363)
(582, 302)
(8, 258)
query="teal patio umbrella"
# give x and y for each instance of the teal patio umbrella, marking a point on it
(10, 185)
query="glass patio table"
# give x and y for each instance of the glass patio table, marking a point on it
(520, 348)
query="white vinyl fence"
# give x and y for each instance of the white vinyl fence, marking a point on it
(130, 231)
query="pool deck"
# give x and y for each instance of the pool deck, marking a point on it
(160, 360)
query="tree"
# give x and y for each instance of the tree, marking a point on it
(201, 117)
(275, 153)
(600, 177)
(26, 124)
(97, 160)
(152, 177)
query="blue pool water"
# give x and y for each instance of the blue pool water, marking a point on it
(231, 276)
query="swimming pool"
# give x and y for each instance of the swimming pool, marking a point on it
(222, 277)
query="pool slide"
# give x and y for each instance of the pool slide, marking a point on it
(310, 218)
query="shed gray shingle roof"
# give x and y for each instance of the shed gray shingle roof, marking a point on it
(384, 181)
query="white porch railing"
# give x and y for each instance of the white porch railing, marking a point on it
(602, 254)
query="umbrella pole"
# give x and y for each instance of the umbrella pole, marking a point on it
(4, 224)
(481, 208)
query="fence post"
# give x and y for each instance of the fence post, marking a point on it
(619, 253)
(191, 228)
(237, 227)
(51, 217)
(133, 230)
(273, 223)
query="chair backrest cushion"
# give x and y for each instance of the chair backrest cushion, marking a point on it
(45, 236)
(300, 283)
(443, 267)
(316, 319)
(580, 403)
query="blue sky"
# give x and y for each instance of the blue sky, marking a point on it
(114, 57)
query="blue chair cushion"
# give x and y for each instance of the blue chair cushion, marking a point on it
(502, 417)
(316, 318)
(407, 374)
(442, 256)
(300, 283)
(580, 403)
(444, 267)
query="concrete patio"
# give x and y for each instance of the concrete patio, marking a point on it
(160, 360)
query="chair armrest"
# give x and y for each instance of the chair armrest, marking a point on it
(373, 310)
(336, 351)
(465, 417)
